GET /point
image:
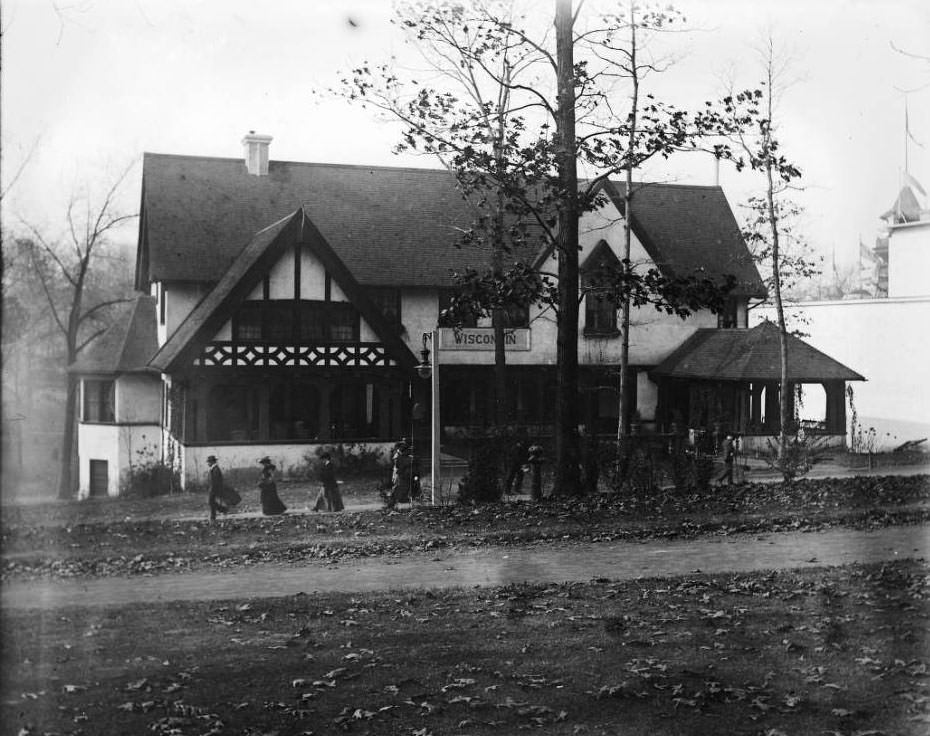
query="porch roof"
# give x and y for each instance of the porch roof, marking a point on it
(126, 346)
(750, 355)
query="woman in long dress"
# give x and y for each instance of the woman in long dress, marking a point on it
(271, 503)
(329, 498)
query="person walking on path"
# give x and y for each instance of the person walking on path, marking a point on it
(220, 497)
(329, 498)
(401, 475)
(516, 463)
(727, 451)
(271, 503)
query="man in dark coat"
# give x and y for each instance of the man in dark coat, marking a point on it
(215, 488)
(515, 463)
(727, 451)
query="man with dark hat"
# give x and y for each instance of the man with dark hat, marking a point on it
(214, 488)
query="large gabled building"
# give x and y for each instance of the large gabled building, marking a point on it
(289, 300)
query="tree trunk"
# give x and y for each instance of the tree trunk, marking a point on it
(566, 429)
(784, 394)
(65, 476)
(500, 368)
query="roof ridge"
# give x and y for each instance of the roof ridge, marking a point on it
(642, 182)
(231, 159)
(384, 167)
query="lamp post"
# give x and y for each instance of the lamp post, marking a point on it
(425, 370)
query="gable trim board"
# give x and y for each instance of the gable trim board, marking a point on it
(248, 270)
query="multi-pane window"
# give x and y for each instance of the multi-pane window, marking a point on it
(279, 321)
(341, 322)
(387, 300)
(248, 325)
(296, 321)
(728, 316)
(99, 401)
(600, 313)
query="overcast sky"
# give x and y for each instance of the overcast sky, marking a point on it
(91, 87)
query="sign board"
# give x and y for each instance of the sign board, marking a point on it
(482, 338)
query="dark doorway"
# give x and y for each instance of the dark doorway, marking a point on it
(99, 477)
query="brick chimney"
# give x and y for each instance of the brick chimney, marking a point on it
(256, 153)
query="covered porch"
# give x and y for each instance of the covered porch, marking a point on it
(728, 381)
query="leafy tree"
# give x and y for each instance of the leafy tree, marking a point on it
(516, 149)
(70, 276)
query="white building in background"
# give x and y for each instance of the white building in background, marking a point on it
(884, 337)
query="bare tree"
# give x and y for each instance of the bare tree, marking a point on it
(64, 271)
(772, 219)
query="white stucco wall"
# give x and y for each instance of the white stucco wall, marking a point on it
(653, 337)
(884, 340)
(909, 260)
(180, 300)
(120, 446)
(98, 442)
(138, 398)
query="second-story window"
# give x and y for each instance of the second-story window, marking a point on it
(99, 401)
(387, 300)
(600, 314)
(728, 316)
(302, 321)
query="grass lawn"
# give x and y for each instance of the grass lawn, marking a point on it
(171, 533)
(821, 651)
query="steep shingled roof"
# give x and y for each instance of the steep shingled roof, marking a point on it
(685, 228)
(750, 355)
(390, 226)
(127, 345)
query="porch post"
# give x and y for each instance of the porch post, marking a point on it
(835, 419)
(771, 406)
(755, 409)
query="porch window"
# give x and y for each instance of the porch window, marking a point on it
(99, 401)
(600, 314)
(232, 413)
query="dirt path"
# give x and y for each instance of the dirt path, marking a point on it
(488, 567)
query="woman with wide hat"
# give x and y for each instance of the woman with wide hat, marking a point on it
(271, 503)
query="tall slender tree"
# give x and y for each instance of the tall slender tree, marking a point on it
(773, 215)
